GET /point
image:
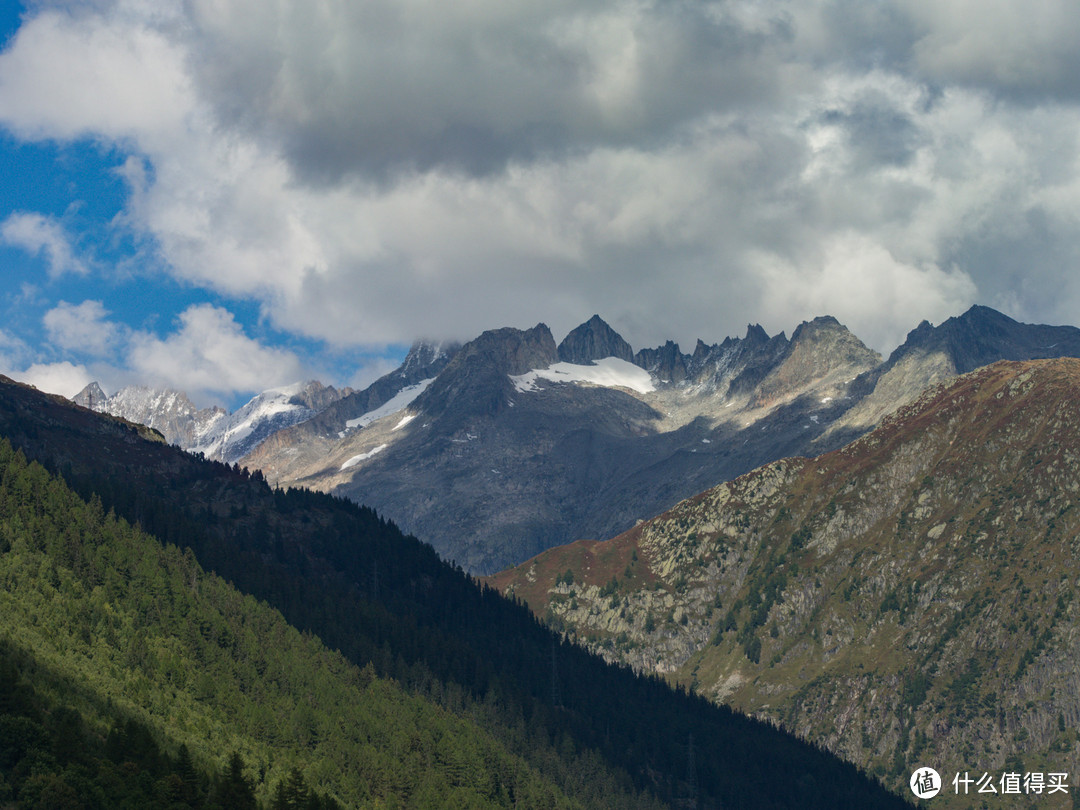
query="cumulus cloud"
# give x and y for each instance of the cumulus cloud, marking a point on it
(63, 378)
(853, 279)
(14, 352)
(100, 75)
(388, 86)
(82, 328)
(371, 172)
(1026, 50)
(209, 355)
(41, 235)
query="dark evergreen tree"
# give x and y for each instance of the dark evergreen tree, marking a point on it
(292, 792)
(236, 791)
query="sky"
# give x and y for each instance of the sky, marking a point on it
(223, 196)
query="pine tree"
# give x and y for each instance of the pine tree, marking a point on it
(292, 792)
(236, 791)
(189, 777)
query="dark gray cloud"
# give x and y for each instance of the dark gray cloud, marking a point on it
(384, 88)
(1023, 52)
(878, 134)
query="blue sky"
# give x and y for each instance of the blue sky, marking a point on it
(227, 196)
(74, 188)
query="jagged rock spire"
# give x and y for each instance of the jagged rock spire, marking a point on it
(594, 340)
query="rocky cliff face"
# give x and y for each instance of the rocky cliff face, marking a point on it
(491, 471)
(292, 453)
(932, 355)
(908, 599)
(594, 340)
(821, 353)
(511, 444)
(169, 412)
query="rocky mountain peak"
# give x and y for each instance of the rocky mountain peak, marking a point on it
(514, 351)
(170, 412)
(755, 334)
(703, 350)
(827, 343)
(91, 397)
(426, 359)
(983, 335)
(949, 534)
(477, 380)
(667, 363)
(594, 340)
(315, 396)
(819, 326)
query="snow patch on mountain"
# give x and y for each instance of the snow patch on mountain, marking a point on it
(167, 411)
(404, 421)
(609, 371)
(398, 402)
(352, 462)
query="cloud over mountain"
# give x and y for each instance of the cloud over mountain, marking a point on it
(369, 173)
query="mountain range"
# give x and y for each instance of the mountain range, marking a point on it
(150, 594)
(903, 596)
(907, 599)
(213, 431)
(511, 444)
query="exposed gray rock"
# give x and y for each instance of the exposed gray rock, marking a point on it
(594, 340)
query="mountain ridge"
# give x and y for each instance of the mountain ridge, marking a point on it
(213, 431)
(907, 598)
(450, 446)
(153, 639)
(341, 572)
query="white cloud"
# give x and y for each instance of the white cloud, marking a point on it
(81, 74)
(38, 234)
(372, 172)
(14, 352)
(854, 280)
(63, 378)
(82, 328)
(17, 360)
(1025, 47)
(209, 355)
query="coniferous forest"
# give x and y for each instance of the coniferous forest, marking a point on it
(183, 604)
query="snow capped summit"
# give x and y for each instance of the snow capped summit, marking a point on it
(212, 431)
(241, 432)
(170, 412)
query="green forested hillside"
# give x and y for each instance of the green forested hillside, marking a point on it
(121, 632)
(55, 756)
(603, 735)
